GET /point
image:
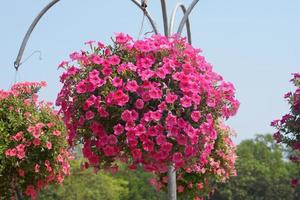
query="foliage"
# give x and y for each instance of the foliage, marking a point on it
(85, 184)
(32, 142)
(138, 184)
(288, 127)
(262, 173)
(154, 102)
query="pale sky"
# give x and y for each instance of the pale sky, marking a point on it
(253, 44)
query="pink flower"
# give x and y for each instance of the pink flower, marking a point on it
(121, 38)
(21, 154)
(177, 157)
(294, 182)
(40, 184)
(100, 45)
(35, 131)
(171, 98)
(186, 102)
(114, 60)
(131, 86)
(155, 93)
(90, 42)
(155, 116)
(89, 102)
(137, 154)
(102, 112)
(49, 145)
(112, 140)
(160, 139)
(18, 136)
(109, 150)
(200, 186)
(106, 71)
(81, 87)
(211, 102)
(180, 189)
(56, 133)
(118, 129)
(296, 146)
(36, 142)
(140, 130)
(195, 115)
(117, 98)
(128, 115)
(96, 59)
(139, 104)
(189, 151)
(89, 115)
(117, 82)
(182, 140)
(148, 146)
(31, 192)
(21, 172)
(37, 168)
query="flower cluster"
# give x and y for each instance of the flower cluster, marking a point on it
(152, 102)
(288, 127)
(32, 142)
(199, 180)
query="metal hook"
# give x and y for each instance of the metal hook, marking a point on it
(29, 31)
(152, 22)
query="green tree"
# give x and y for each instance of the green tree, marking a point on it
(139, 186)
(87, 185)
(263, 173)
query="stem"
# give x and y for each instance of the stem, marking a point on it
(19, 193)
(172, 189)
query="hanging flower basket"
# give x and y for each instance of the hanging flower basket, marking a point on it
(288, 127)
(153, 102)
(32, 142)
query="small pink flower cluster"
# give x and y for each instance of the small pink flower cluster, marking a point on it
(196, 181)
(153, 102)
(288, 127)
(34, 152)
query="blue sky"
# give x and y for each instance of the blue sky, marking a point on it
(254, 44)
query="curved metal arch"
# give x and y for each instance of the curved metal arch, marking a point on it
(29, 31)
(165, 16)
(151, 20)
(186, 16)
(172, 21)
(17, 62)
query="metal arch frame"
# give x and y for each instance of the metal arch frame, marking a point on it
(172, 21)
(165, 16)
(151, 20)
(17, 62)
(186, 16)
(168, 28)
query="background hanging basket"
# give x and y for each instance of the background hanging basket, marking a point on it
(154, 102)
(288, 127)
(32, 142)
